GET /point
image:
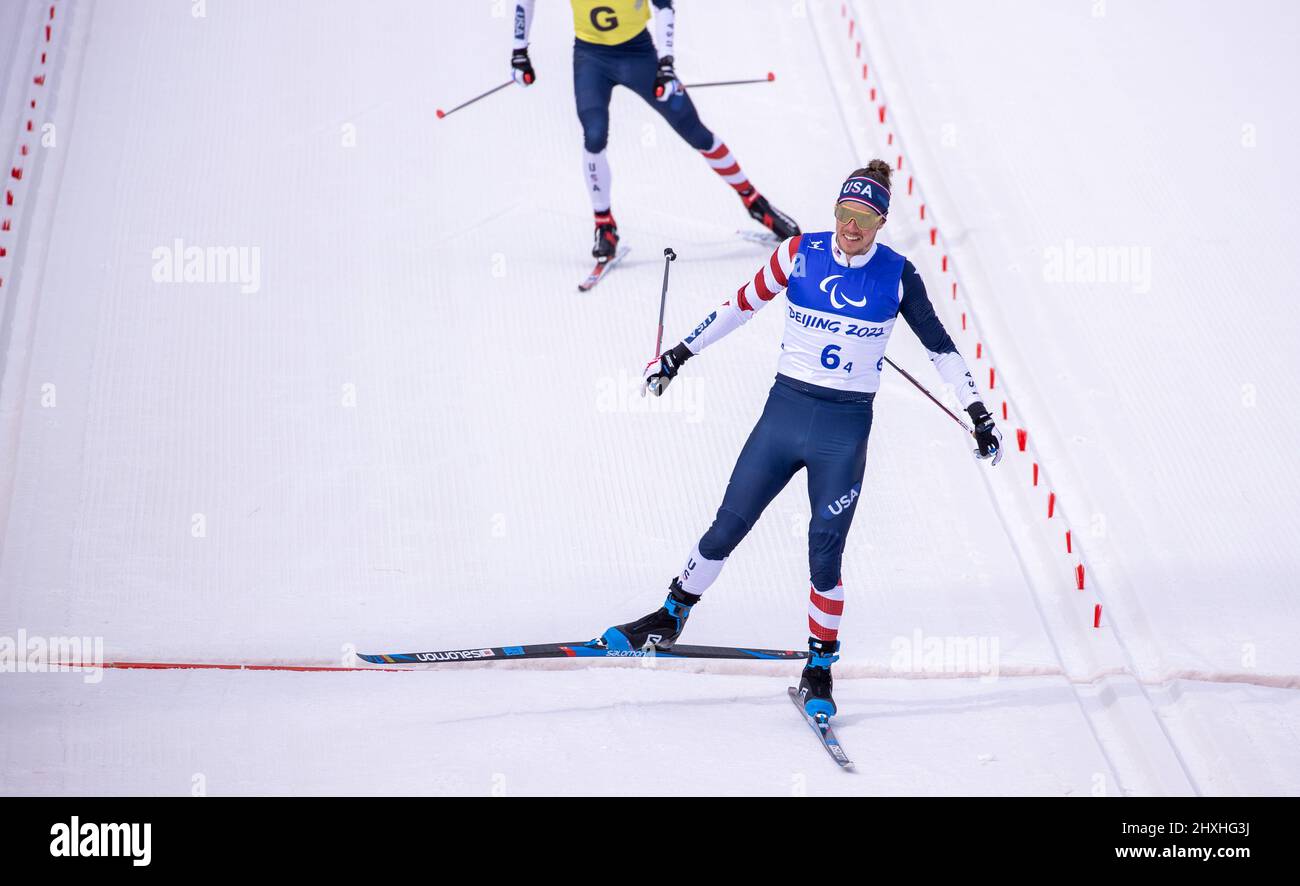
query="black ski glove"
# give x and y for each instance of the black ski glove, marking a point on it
(521, 68)
(666, 83)
(987, 434)
(659, 372)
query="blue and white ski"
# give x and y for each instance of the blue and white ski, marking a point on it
(582, 649)
(821, 724)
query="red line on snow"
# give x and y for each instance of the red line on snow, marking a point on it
(208, 666)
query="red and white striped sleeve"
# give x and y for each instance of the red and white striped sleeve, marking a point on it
(767, 284)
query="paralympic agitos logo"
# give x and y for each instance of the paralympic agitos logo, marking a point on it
(838, 300)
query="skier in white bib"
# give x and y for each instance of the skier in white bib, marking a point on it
(844, 292)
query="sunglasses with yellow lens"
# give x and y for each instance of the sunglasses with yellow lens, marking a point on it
(867, 219)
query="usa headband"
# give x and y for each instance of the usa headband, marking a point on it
(868, 191)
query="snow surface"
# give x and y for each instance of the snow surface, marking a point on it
(416, 434)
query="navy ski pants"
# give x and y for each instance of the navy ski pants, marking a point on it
(802, 426)
(598, 69)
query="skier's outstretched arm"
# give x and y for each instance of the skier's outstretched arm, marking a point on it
(770, 281)
(915, 308)
(521, 67)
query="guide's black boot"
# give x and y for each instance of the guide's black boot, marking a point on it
(659, 629)
(815, 684)
(769, 216)
(606, 237)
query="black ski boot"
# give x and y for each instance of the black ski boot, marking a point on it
(606, 237)
(769, 216)
(659, 629)
(815, 685)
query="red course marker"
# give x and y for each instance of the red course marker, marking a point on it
(1022, 436)
(1096, 616)
(1078, 576)
(1051, 504)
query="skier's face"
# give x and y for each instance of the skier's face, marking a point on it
(855, 228)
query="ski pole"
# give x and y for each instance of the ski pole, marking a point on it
(441, 113)
(768, 79)
(669, 257)
(922, 389)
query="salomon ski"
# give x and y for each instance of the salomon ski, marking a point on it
(581, 649)
(821, 724)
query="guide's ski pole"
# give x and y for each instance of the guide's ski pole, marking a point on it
(441, 113)
(768, 79)
(965, 427)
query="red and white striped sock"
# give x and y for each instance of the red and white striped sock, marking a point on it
(824, 611)
(724, 164)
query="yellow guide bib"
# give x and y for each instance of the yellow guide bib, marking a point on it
(609, 22)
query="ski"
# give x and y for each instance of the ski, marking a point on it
(580, 649)
(766, 238)
(821, 724)
(602, 268)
